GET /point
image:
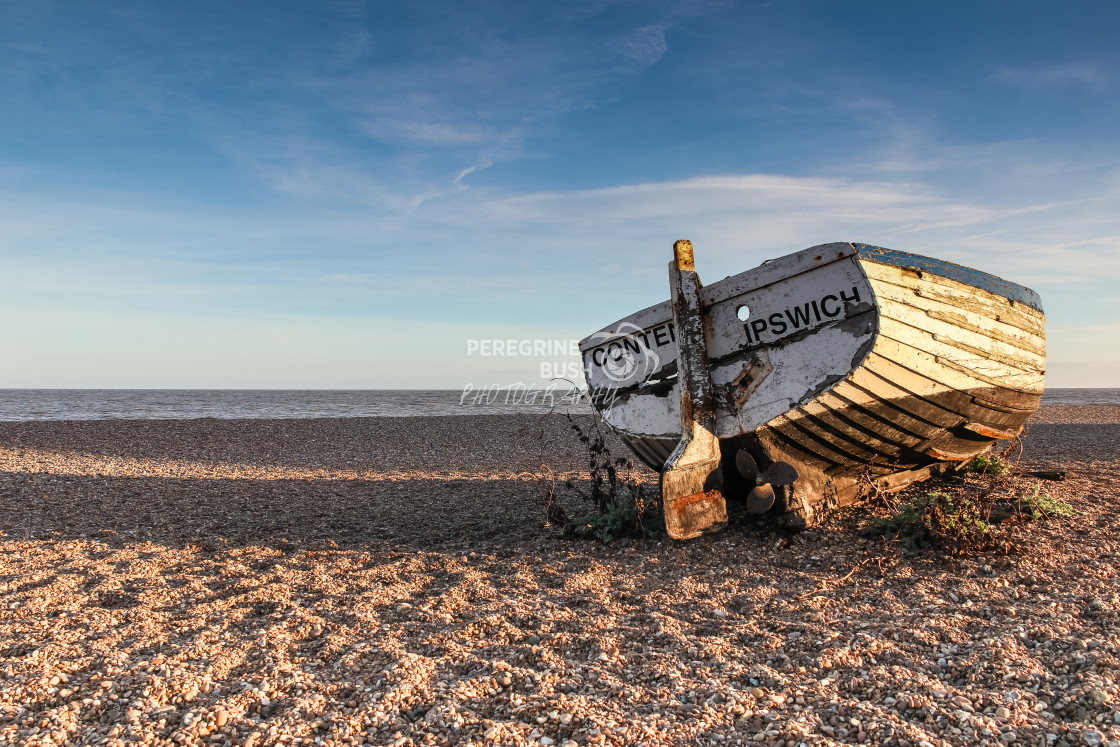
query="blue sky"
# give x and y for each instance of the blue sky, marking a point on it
(342, 194)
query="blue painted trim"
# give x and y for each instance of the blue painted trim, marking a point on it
(966, 275)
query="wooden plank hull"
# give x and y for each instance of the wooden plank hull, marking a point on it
(863, 367)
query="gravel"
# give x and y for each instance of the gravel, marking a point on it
(392, 581)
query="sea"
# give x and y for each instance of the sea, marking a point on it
(174, 404)
(163, 404)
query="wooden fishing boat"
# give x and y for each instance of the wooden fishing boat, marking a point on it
(817, 378)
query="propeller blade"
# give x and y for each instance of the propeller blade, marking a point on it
(747, 466)
(780, 473)
(760, 499)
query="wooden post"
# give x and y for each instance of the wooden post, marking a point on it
(691, 481)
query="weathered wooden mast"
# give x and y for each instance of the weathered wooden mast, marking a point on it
(691, 481)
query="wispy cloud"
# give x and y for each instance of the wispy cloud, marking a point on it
(1045, 76)
(494, 84)
(763, 215)
(645, 45)
(570, 259)
(483, 164)
(447, 132)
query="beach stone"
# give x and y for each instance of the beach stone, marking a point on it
(373, 678)
(1092, 737)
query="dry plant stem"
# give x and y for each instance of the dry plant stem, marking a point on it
(548, 483)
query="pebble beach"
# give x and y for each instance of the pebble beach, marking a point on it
(385, 581)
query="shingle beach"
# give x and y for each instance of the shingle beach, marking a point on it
(392, 581)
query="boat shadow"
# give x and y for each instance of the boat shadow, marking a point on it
(364, 483)
(391, 509)
(402, 514)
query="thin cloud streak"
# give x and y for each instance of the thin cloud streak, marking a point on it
(764, 214)
(1081, 74)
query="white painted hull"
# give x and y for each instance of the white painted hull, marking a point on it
(855, 363)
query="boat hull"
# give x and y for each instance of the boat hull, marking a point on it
(863, 367)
